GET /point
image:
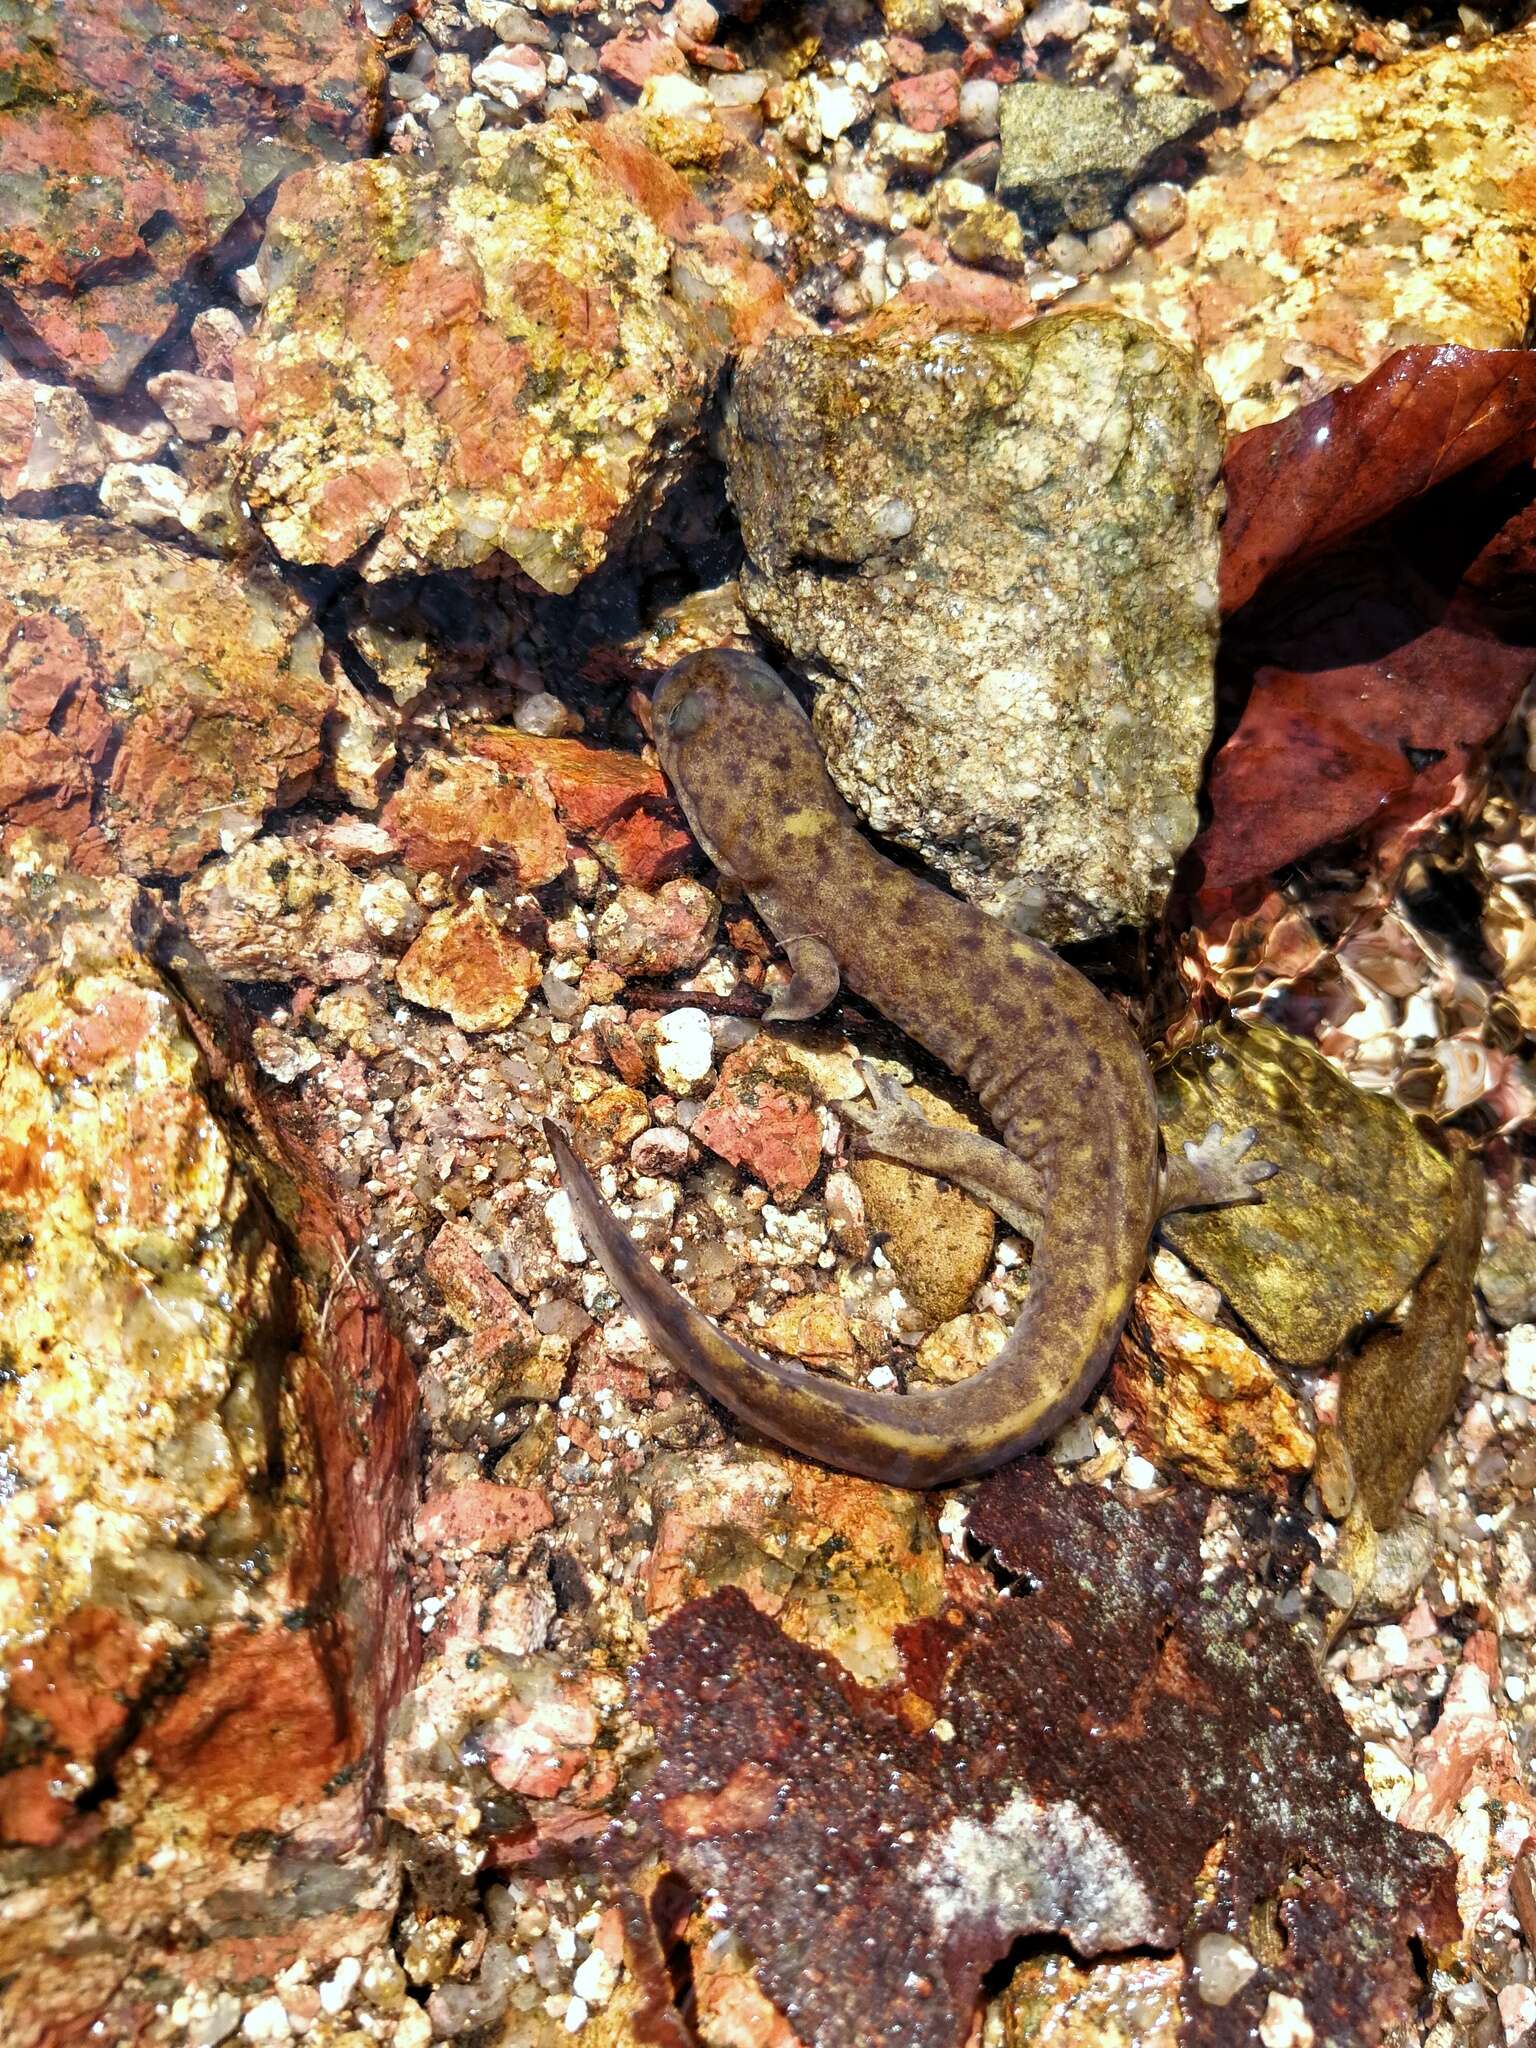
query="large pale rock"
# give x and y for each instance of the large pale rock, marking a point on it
(504, 357)
(1355, 214)
(995, 556)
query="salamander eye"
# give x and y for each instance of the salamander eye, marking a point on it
(687, 715)
(763, 684)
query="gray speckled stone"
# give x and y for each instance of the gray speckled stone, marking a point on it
(1072, 152)
(995, 556)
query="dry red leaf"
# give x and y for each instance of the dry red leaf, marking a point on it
(1125, 1757)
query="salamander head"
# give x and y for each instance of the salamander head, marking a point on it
(743, 760)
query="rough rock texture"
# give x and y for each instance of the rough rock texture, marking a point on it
(937, 1238)
(108, 191)
(197, 1639)
(1353, 215)
(1357, 1209)
(1103, 1765)
(1203, 1402)
(153, 704)
(272, 911)
(1072, 152)
(995, 556)
(1398, 1393)
(563, 318)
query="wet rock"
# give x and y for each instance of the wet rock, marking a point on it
(938, 1240)
(274, 912)
(988, 550)
(606, 1124)
(658, 931)
(197, 407)
(168, 1438)
(840, 1563)
(155, 705)
(1357, 1210)
(1203, 1402)
(565, 312)
(48, 437)
(463, 963)
(108, 192)
(960, 1348)
(1291, 258)
(615, 802)
(762, 1114)
(456, 813)
(1071, 153)
(1398, 1392)
(1220, 1770)
(1053, 2002)
(813, 1328)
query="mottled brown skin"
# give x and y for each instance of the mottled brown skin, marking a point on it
(1056, 1068)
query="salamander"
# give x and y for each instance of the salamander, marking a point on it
(1054, 1065)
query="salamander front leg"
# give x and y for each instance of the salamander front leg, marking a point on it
(1214, 1173)
(890, 1127)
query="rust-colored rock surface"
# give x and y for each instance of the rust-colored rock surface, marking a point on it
(108, 192)
(564, 311)
(1102, 1766)
(153, 704)
(1354, 214)
(198, 1644)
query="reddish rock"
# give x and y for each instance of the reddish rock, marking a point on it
(48, 437)
(565, 304)
(463, 963)
(204, 686)
(197, 407)
(762, 1115)
(613, 800)
(929, 101)
(108, 192)
(154, 1581)
(660, 931)
(458, 813)
(638, 54)
(479, 1517)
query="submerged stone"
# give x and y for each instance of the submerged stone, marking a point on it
(1397, 1394)
(1072, 152)
(154, 705)
(110, 189)
(504, 357)
(995, 556)
(1357, 1209)
(1356, 213)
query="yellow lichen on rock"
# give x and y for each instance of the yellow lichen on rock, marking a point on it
(143, 1310)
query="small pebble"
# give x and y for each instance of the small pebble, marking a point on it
(1156, 211)
(660, 1152)
(267, 2021)
(1222, 1967)
(543, 715)
(978, 107)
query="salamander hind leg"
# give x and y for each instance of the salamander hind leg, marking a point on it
(891, 1127)
(1214, 1173)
